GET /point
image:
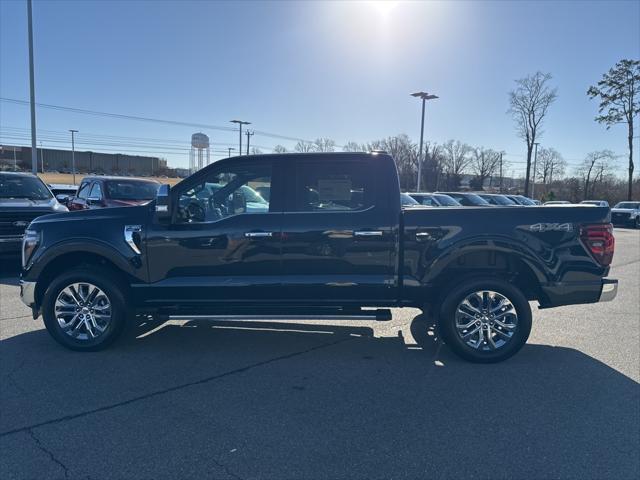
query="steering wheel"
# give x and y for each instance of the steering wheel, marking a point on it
(194, 212)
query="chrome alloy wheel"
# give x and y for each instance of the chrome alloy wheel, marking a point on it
(486, 320)
(83, 311)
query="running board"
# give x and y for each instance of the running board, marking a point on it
(380, 315)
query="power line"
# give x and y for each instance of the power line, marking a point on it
(84, 111)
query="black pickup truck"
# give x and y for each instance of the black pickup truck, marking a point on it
(313, 235)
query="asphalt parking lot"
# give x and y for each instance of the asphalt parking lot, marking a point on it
(230, 400)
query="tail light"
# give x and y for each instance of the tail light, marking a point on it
(599, 241)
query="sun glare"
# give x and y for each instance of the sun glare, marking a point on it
(384, 7)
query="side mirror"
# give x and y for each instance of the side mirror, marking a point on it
(63, 198)
(163, 203)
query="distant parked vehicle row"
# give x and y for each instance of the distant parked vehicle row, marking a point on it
(626, 214)
(434, 199)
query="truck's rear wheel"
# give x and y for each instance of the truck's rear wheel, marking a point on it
(84, 310)
(485, 320)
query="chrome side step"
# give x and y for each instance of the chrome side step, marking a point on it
(380, 315)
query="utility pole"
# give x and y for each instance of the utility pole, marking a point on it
(240, 123)
(42, 156)
(535, 161)
(248, 134)
(34, 148)
(73, 155)
(230, 148)
(424, 96)
(15, 162)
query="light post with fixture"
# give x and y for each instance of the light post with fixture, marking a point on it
(424, 96)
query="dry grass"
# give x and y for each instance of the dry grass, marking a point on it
(67, 178)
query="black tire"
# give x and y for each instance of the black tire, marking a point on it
(112, 287)
(449, 332)
(637, 222)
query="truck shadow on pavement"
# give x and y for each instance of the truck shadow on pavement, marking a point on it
(266, 399)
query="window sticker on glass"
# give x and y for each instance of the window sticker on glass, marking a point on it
(334, 189)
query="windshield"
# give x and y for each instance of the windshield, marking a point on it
(630, 205)
(498, 200)
(469, 199)
(131, 190)
(405, 199)
(23, 186)
(446, 201)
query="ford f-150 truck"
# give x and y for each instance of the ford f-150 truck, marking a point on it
(330, 239)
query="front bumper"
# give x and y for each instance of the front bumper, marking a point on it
(28, 293)
(609, 290)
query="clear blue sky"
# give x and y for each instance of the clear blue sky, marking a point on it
(304, 69)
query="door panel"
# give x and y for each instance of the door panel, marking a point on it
(338, 243)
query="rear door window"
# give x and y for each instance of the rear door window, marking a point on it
(323, 186)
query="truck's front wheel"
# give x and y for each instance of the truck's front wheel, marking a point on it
(84, 310)
(485, 320)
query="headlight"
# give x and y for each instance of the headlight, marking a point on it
(58, 207)
(30, 242)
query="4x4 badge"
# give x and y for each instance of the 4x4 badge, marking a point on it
(551, 227)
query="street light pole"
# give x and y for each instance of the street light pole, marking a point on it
(230, 148)
(535, 161)
(240, 123)
(424, 96)
(42, 156)
(73, 155)
(32, 91)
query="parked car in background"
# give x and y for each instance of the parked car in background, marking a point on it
(63, 192)
(557, 202)
(468, 199)
(23, 197)
(497, 199)
(597, 203)
(435, 199)
(522, 200)
(104, 192)
(407, 201)
(626, 214)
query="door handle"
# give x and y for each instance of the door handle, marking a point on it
(368, 233)
(258, 234)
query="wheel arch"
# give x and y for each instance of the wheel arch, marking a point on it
(68, 258)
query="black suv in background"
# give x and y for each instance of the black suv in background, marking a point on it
(23, 197)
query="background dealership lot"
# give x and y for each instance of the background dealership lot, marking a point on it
(318, 400)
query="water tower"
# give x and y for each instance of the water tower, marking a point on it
(199, 153)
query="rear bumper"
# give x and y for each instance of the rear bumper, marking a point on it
(609, 290)
(572, 293)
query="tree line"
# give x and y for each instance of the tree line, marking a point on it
(445, 166)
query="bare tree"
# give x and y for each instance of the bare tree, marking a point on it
(550, 165)
(354, 147)
(256, 151)
(324, 145)
(455, 161)
(279, 149)
(618, 92)
(594, 167)
(484, 163)
(529, 104)
(304, 147)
